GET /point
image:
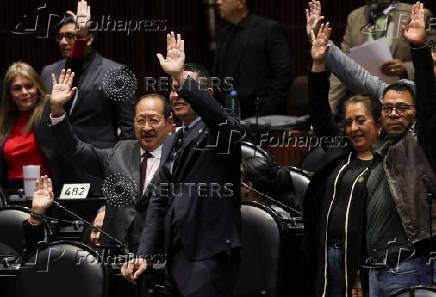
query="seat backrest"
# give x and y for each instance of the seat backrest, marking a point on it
(313, 159)
(12, 231)
(301, 180)
(3, 200)
(260, 263)
(63, 268)
(249, 150)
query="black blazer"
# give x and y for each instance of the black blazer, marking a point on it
(263, 65)
(124, 223)
(206, 223)
(94, 117)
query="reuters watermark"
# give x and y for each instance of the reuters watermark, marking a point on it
(164, 84)
(200, 190)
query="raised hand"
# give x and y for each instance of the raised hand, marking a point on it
(416, 34)
(62, 91)
(174, 62)
(42, 196)
(320, 44)
(82, 18)
(313, 18)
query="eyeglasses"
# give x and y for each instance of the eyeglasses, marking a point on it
(67, 36)
(360, 121)
(400, 108)
(152, 122)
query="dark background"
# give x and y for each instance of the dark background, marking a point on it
(138, 49)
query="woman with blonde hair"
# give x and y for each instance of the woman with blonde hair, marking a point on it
(21, 110)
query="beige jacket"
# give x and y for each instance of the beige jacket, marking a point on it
(357, 20)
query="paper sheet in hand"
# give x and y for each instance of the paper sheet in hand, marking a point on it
(371, 56)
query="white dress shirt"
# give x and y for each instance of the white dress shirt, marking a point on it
(152, 165)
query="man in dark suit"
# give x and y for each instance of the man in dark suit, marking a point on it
(94, 116)
(254, 52)
(138, 159)
(195, 209)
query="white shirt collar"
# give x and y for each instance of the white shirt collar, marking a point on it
(156, 153)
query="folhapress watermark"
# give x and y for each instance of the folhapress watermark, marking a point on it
(43, 21)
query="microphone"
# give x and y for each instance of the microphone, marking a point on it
(89, 224)
(272, 200)
(377, 10)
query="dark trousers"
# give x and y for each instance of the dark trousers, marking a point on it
(214, 277)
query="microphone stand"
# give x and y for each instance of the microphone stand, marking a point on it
(272, 200)
(89, 224)
(257, 103)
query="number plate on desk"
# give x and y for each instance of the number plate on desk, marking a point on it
(74, 191)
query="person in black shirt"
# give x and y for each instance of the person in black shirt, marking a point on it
(254, 52)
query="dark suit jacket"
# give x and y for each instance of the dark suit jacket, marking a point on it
(94, 117)
(264, 64)
(206, 223)
(124, 223)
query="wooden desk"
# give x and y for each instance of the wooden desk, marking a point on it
(288, 147)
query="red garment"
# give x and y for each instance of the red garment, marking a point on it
(78, 50)
(22, 149)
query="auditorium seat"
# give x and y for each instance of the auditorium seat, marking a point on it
(63, 268)
(260, 267)
(313, 159)
(11, 230)
(300, 179)
(3, 200)
(271, 259)
(249, 149)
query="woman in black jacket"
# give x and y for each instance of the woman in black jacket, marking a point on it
(334, 206)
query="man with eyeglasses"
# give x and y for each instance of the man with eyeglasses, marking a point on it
(402, 180)
(198, 228)
(96, 118)
(138, 159)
